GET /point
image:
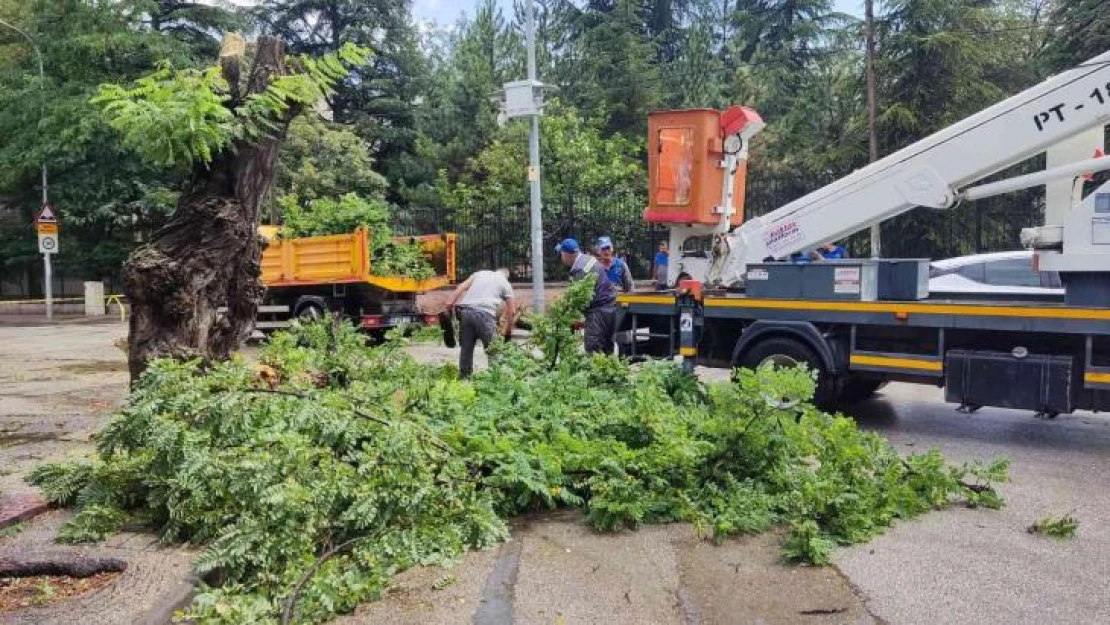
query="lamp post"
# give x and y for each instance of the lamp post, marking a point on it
(524, 98)
(535, 199)
(48, 277)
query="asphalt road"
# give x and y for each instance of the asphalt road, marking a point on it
(58, 383)
(982, 566)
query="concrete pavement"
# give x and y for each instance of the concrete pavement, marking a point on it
(557, 570)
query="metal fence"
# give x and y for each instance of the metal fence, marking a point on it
(500, 236)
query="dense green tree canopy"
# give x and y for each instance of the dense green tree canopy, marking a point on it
(415, 126)
(104, 197)
(577, 160)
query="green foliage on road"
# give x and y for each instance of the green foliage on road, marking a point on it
(311, 486)
(1057, 527)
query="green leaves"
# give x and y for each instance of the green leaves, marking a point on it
(1057, 527)
(388, 257)
(183, 117)
(578, 160)
(553, 332)
(340, 442)
(171, 117)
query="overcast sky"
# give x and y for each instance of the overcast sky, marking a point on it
(446, 12)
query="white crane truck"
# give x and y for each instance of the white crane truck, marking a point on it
(861, 323)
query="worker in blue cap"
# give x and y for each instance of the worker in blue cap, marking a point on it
(615, 269)
(601, 312)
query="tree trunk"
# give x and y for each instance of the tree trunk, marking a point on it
(209, 254)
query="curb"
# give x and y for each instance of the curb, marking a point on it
(177, 598)
(18, 508)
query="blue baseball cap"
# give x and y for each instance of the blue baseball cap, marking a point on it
(568, 246)
(604, 243)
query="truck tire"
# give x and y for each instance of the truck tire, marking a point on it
(311, 311)
(859, 389)
(787, 352)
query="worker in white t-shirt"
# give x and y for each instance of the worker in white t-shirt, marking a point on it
(478, 300)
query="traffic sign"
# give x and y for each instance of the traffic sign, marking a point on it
(46, 215)
(46, 228)
(48, 243)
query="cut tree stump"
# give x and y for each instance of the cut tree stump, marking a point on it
(209, 254)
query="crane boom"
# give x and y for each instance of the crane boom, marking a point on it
(929, 173)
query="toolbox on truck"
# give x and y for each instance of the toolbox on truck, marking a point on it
(903, 279)
(1039, 382)
(826, 280)
(862, 280)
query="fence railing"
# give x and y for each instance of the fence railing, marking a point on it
(499, 236)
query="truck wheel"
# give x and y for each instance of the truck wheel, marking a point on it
(787, 352)
(310, 311)
(859, 389)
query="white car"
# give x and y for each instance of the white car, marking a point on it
(1004, 274)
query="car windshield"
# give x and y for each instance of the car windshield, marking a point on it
(1009, 272)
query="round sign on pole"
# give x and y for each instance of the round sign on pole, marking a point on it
(48, 243)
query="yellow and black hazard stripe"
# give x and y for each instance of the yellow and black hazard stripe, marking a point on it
(896, 363)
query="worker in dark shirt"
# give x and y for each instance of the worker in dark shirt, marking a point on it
(601, 312)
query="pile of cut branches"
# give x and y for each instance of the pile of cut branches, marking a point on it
(312, 485)
(322, 216)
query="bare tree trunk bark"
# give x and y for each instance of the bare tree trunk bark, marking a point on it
(872, 112)
(209, 254)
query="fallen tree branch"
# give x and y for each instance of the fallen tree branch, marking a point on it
(291, 600)
(427, 436)
(69, 565)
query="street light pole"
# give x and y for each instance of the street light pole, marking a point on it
(48, 277)
(534, 170)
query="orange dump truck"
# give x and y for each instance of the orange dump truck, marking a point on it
(310, 277)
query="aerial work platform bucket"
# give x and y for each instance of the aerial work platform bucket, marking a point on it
(686, 156)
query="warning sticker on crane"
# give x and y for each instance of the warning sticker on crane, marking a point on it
(846, 280)
(782, 236)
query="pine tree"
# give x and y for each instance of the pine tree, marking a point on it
(1080, 31)
(615, 65)
(379, 99)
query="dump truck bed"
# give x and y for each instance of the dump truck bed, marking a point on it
(345, 259)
